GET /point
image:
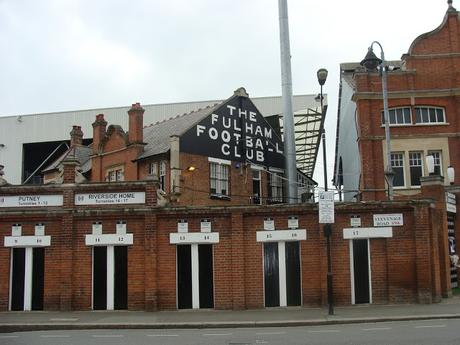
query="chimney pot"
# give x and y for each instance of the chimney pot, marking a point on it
(136, 123)
(76, 136)
(99, 129)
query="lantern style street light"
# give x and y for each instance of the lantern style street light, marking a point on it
(371, 62)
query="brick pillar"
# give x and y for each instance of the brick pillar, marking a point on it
(433, 187)
(69, 165)
(151, 193)
(426, 264)
(238, 253)
(150, 243)
(65, 243)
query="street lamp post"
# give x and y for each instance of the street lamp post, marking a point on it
(371, 62)
(327, 228)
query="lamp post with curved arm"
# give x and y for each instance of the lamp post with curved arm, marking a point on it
(371, 62)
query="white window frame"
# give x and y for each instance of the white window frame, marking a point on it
(396, 123)
(275, 185)
(403, 167)
(221, 180)
(259, 179)
(153, 168)
(162, 175)
(429, 122)
(115, 174)
(411, 165)
(437, 155)
(159, 170)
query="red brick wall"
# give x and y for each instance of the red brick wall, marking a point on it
(405, 268)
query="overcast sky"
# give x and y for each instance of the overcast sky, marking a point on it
(61, 55)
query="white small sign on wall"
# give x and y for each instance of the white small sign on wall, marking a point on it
(27, 241)
(97, 228)
(355, 233)
(293, 222)
(205, 225)
(109, 240)
(355, 221)
(269, 224)
(121, 227)
(394, 219)
(326, 207)
(451, 203)
(182, 225)
(193, 237)
(281, 235)
(39, 229)
(16, 230)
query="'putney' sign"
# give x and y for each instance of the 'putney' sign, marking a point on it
(31, 200)
(235, 131)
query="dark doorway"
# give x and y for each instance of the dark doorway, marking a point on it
(184, 276)
(99, 278)
(361, 270)
(206, 276)
(38, 278)
(293, 284)
(121, 277)
(18, 278)
(271, 274)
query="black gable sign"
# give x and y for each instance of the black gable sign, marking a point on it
(235, 131)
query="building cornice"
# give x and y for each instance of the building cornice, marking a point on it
(430, 56)
(357, 96)
(411, 136)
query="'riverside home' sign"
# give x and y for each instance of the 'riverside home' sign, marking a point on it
(110, 198)
(235, 131)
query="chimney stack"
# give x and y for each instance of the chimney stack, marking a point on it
(99, 129)
(136, 124)
(76, 136)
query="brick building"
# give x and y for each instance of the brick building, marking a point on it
(85, 246)
(424, 120)
(225, 154)
(424, 117)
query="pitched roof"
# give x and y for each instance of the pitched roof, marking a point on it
(81, 153)
(157, 135)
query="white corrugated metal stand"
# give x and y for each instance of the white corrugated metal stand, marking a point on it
(34, 128)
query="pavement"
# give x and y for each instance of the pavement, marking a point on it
(186, 319)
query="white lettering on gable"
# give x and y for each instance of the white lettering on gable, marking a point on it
(213, 134)
(231, 108)
(236, 125)
(225, 149)
(214, 118)
(200, 129)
